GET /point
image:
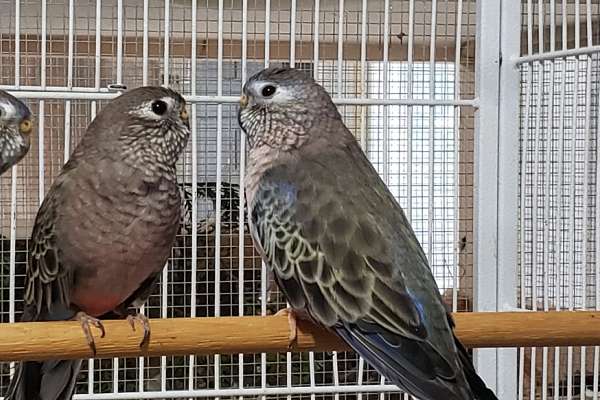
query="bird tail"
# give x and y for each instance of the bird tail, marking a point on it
(47, 380)
(477, 385)
(43, 380)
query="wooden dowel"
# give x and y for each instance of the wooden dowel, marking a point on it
(230, 335)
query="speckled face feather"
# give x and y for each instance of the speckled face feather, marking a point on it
(131, 128)
(285, 118)
(15, 129)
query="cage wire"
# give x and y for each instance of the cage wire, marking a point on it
(403, 74)
(558, 224)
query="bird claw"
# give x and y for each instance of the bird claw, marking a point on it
(293, 325)
(142, 319)
(85, 321)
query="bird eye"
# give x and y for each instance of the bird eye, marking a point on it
(159, 107)
(268, 91)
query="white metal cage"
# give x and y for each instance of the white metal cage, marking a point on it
(505, 207)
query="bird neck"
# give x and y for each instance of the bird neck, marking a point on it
(152, 160)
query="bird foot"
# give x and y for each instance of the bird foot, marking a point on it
(142, 319)
(293, 324)
(85, 321)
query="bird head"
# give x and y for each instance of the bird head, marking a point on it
(147, 125)
(280, 106)
(15, 129)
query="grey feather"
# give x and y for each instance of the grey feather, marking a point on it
(106, 226)
(339, 243)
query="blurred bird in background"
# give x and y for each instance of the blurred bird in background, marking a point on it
(339, 244)
(105, 228)
(15, 129)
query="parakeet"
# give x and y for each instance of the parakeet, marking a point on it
(339, 244)
(105, 228)
(15, 129)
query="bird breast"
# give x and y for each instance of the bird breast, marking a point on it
(115, 236)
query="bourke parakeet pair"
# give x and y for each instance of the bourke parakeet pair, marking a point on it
(105, 228)
(339, 244)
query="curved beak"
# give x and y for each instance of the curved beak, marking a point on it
(185, 117)
(243, 101)
(25, 126)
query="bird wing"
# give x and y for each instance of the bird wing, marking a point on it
(342, 249)
(47, 280)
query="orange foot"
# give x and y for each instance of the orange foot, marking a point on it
(85, 321)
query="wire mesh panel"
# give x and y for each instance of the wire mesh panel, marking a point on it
(402, 72)
(558, 246)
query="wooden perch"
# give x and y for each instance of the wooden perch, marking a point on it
(230, 335)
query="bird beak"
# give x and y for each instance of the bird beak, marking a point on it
(184, 114)
(243, 101)
(185, 117)
(25, 126)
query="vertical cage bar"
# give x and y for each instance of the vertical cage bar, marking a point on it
(194, 233)
(145, 17)
(316, 19)
(363, 119)
(120, 42)
(13, 245)
(317, 5)
(166, 49)
(218, 186)
(597, 232)
(13, 189)
(523, 175)
(386, 39)
(572, 227)
(293, 33)
(242, 228)
(547, 195)
(409, 108)
(17, 43)
(145, 45)
(363, 75)
(596, 360)
(359, 378)
(267, 32)
(42, 106)
(558, 245)
(536, 167)
(586, 183)
(340, 50)
(67, 137)
(164, 292)
(457, 80)
(495, 181)
(431, 162)
(522, 214)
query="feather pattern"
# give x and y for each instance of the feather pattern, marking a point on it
(339, 244)
(105, 229)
